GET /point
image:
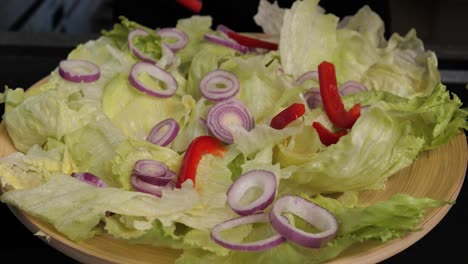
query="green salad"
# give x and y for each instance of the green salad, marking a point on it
(234, 147)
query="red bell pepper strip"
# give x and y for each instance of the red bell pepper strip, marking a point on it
(326, 136)
(331, 99)
(252, 42)
(193, 5)
(285, 117)
(197, 148)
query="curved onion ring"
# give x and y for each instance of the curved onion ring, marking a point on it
(79, 71)
(310, 212)
(313, 98)
(263, 178)
(142, 186)
(89, 178)
(251, 246)
(157, 72)
(227, 43)
(310, 75)
(225, 114)
(174, 33)
(209, 89)
(153, 172)
(350, 87)
(134, 33)
(164, 132)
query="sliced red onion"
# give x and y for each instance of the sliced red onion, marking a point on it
(313, 98)
(226, 114)
(89, 178)
(79, 71)
(210, 85)
(251, 246)
(174, 33)
(158, 73)
(310, 75)
(142, 186)
(264, 179)
(168, 57)
(138, 53)
(350, 87)
(154, 172)
(224, 29)
(227, 43)
(310, 212)
(164, 132)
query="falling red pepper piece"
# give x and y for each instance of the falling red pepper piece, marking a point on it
(285, 117)
(193, 5)
(252, 42)
(326, 136)
(197, 148)
(331, 99)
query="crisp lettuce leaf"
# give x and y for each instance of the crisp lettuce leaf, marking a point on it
(270, 17)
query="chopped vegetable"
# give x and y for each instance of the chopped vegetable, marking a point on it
(156, 72)
(174, 33)
(331, 99)
(153, 172)
(89, 178)
(199, 146)
(219, 85)
(164, 132)
(288, 115)
(326, 136)
(79, 71)
(193, 5)
(252, 42)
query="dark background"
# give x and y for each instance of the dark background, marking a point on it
(36, 35)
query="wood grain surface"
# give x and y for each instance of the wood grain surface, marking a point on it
(438, 174)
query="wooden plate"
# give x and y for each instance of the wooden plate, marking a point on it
(438, 174)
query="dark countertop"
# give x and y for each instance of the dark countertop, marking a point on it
(25, 63)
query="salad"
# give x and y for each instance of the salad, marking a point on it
(233, 147)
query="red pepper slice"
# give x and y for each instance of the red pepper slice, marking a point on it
(331, 99)
(197, 148)
(285, 117)
(326, 136)
(193, 5)
(252, 42)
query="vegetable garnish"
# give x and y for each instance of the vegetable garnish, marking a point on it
(89, 178)
(142, 186)
(318, 216)
(263, 179)
(264, 244)
(225, 115)
(156, 72)
(193, 5)
(219, 85)
(350, 87)
(174, 33)
(326, 136)
(79, 71)
(226, 43)
(164, 132)
(252, 42)
(331, 99)
(153, 172)
(134, 33)
(198, 147)
(288, 115)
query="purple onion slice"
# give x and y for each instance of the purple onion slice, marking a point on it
(227, 114)
(142, 186)
(164, 132)
(310, 212)
(89, 178)
(219, 85)
(79, 71)
(264, 179)
(350, 87)
(156, 72)
(226, 43)
(142, 56)
(154, 172)
(310, 75)
(264, 244)
(174, 33)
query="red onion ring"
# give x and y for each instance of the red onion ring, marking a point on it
(153, 172)
(144, 187)
(79, 71)
(350, 87)
(224, 29)
(262, 178)
(164, 132)
(89, 178)
(174, 33)
(310, 75)
(225, 114)
(310, 212)
(313, 98)
(138, 53)
(251, 246)
(227, 43)
(157, 72)
(209, 85)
